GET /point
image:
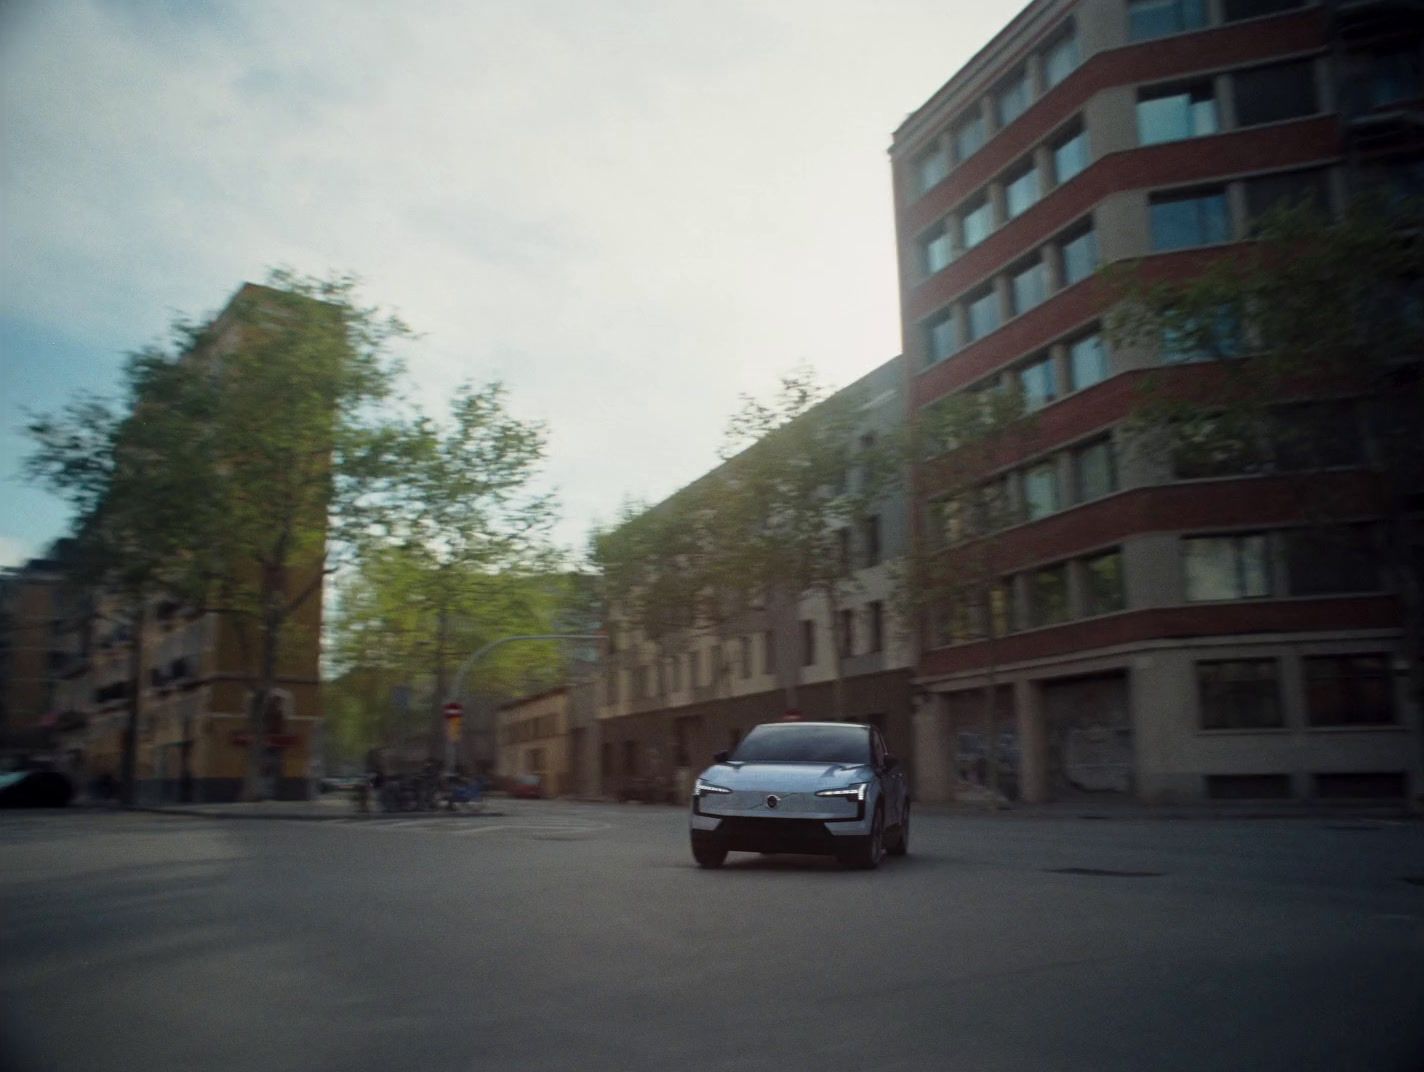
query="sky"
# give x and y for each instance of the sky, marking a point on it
(631, 213)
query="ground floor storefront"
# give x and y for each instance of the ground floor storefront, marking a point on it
(1223, 718)
(655, 754)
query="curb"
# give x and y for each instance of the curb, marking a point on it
(305, 817)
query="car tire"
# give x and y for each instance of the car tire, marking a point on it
(708, 855)
(869, 850)
(901, 845)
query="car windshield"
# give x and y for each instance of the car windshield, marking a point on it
(803, 743)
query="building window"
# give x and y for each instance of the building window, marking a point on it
(1383, 78)
(1061, 59)
(1315, 435)
(640, 682)
(977, 221)
(1288, 188)
(936, 249)
(1012, 98)
(674, 672)
(610, 687)
(875, 622)
(1195, 219)
(1080, 256)
(808, 642)
(1349, 690)
(1094, 470)
(746, 654)
(843, 548)
(872, 540)
(942, 337)
(1236, 10)
(1271, 94)
(630, 759)
(1070, 156)
(1165, 115)
(931, 168)
(1239, 694)
(1029, 287)
(983, 313)
(847, 633)
(1147, 19)
(969, 136)
(1041, 491)
(1048, 595)
(1331, 560)
(1087, 361)
(694, 670)
(768, 652)
(1038, 383)
(947, 521)
(1103, 591)
(1021, 191)
(1227, 567)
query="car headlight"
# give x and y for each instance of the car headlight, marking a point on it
(702, 789)
(854, 792)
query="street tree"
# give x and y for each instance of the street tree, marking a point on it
(952, 585)
(808, 482)
(1299, 357)
(256, 444)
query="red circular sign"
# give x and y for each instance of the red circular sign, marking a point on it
(452, 709)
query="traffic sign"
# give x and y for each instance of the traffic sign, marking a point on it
(452, 709)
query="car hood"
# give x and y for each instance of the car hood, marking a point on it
(786, 777)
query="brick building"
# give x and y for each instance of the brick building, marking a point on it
(1162, 643)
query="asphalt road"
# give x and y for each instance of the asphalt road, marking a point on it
(582, 938)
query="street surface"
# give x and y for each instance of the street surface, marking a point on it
(575, 937)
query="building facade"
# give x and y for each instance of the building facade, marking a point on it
(534, 739)
(1163, 642)
(663, 710)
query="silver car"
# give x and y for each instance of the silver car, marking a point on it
(806, 787)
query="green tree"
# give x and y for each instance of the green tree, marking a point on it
(952, 584)
(249, 447)
(1296, 357)
(805, 483)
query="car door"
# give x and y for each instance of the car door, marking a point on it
(893, 783)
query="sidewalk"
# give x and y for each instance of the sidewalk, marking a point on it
(334, 807)
(1134, 811)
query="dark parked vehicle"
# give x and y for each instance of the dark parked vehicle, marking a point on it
(35, 789)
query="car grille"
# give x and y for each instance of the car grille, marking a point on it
(789, 806)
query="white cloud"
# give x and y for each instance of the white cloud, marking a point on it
(631, 213)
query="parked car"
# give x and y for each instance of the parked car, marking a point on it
(525, 786)
(35, 789)
(828, 788)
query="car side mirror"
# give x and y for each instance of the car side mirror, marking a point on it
(720, 757)
(890, 763)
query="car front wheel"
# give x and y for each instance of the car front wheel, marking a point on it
(902, 839)
(708, 854)
(870, 850)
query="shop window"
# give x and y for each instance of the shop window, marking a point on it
(1365, 785)
(1248, 787)
(1349, 690)
(1239, 694)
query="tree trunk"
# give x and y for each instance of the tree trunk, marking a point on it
(128, 762)
(991, 722)
(442, 681)
(254, 787)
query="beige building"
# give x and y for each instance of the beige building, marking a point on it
(533, 738)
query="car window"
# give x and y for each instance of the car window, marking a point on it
(804, 743)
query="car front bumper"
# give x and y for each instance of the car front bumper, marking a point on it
(761, 833)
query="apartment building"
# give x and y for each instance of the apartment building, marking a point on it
(662, 711)
(39, 610)
(1165, 640)
(195, 674)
